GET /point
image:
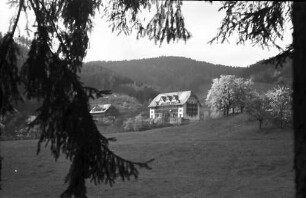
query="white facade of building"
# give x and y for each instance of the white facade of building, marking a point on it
(175, 105)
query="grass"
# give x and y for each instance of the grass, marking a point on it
(225, 157)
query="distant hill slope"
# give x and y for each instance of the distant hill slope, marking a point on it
(94, 75)
(269, 73)
(169, 73)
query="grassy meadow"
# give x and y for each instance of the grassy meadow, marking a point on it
(225, 157)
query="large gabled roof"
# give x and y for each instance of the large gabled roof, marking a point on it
(172, 98)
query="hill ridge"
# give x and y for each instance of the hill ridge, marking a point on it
(168, 73)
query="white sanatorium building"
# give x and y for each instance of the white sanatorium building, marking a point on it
(175, 106)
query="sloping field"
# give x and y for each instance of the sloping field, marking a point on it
(225, 157)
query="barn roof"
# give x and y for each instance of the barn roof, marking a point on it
(101, 108)
(172, 98)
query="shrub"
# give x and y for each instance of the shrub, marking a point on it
(257, 107)
(280, 104)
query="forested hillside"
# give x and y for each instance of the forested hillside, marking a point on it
(169, 73)
(269, 73)
(104, 79)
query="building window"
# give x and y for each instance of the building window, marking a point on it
(192, 109)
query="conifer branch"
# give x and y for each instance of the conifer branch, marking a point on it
(21, 4)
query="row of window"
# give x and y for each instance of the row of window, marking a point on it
(172, 115)
(191, 110)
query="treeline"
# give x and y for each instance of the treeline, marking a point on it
(96, 76)
(276, 104)
(230, 94)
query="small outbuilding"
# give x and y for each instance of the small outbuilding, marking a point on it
(104, 112)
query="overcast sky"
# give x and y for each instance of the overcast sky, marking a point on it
(201, 19)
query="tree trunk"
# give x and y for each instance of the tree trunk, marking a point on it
(233, 110)
(0, 157)
(260, 124)
(77, 182)
(281, 124)
(0, 172)
(299, 96)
